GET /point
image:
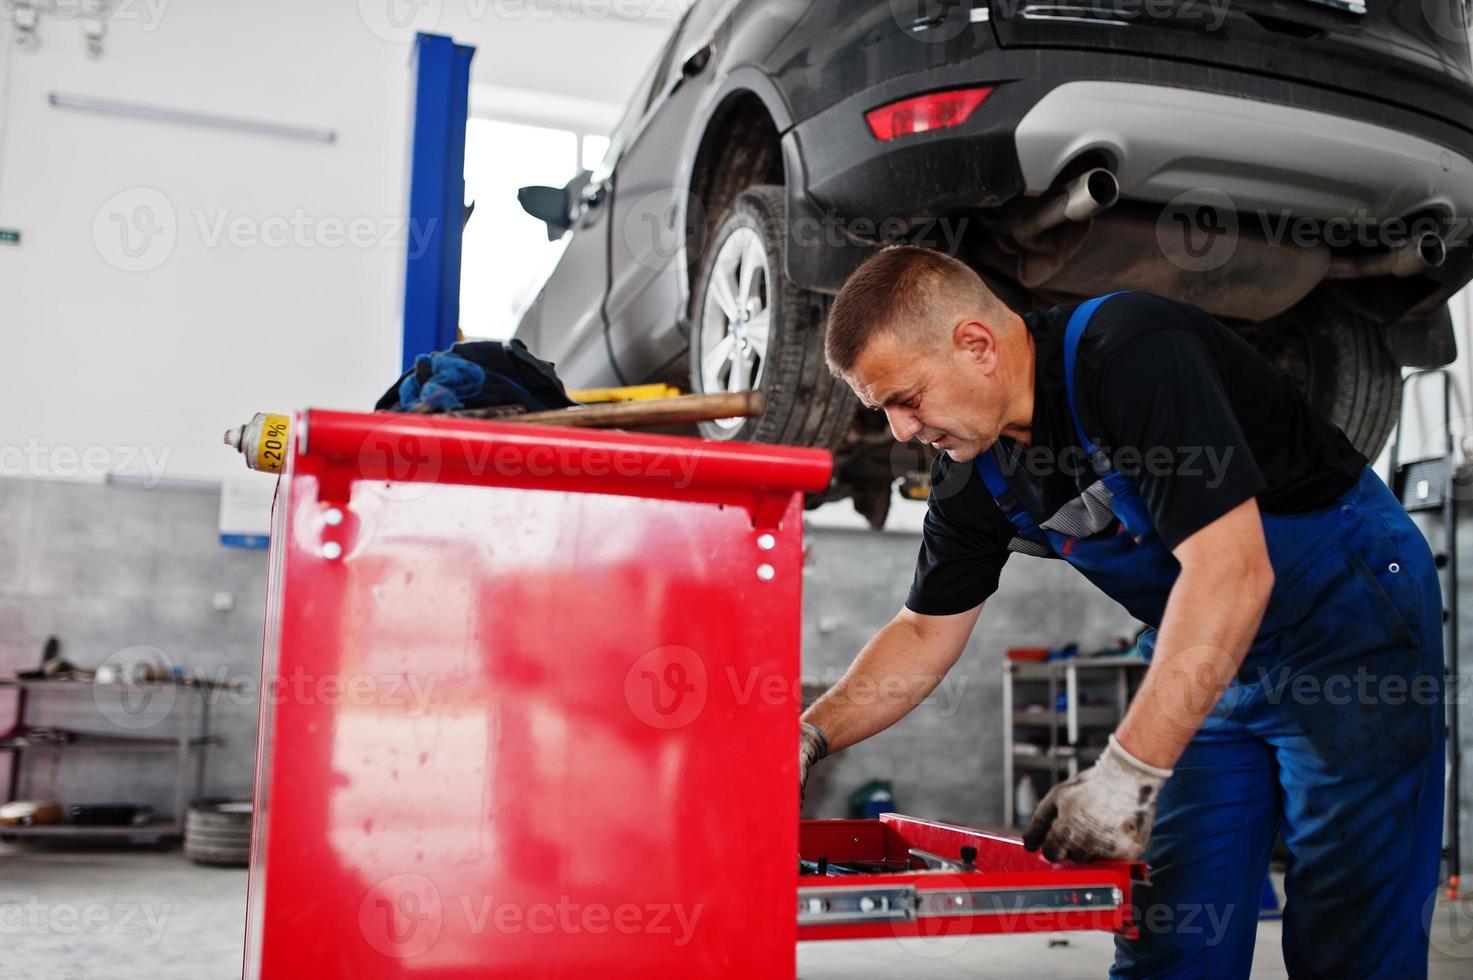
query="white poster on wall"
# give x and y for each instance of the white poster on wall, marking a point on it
(245, 510)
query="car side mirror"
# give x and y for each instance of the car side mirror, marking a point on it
(550, 205)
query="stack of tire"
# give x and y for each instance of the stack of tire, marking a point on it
(218, 832)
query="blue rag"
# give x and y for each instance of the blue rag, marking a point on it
(451, 382)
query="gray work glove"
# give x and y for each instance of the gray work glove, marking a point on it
(1105, 812)
(812, 746)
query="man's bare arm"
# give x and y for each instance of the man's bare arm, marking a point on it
(894, 672)
(1213, 613)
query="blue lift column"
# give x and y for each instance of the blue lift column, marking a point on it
(436, 194)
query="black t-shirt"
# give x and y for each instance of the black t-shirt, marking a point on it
(1186, 408)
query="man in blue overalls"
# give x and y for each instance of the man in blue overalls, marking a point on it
(1295, 684)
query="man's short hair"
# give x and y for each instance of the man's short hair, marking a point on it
(902, 287)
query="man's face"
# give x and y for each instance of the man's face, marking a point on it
(947, 395)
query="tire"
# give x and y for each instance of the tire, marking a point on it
(806, 405)
(1344, 365)
(219, 833)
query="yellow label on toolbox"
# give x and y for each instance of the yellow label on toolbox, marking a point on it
(271, 449)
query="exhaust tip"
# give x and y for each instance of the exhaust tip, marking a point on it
(1103, 187)
(1432, 250)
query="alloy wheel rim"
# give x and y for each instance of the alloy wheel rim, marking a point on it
(736, 318)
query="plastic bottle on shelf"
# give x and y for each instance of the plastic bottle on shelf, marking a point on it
(1025, 800)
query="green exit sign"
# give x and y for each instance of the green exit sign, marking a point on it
(9, 236)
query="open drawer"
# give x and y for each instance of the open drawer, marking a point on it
(898, 876)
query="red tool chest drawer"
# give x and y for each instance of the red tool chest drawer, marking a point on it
(530, 703)
(974, 882)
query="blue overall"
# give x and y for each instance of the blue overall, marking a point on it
(1331, 734)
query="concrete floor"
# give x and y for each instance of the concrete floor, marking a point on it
(81, 915)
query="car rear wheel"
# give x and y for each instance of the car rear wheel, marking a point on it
(752, 328)
(1342, 361)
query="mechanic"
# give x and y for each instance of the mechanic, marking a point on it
(1144, 443)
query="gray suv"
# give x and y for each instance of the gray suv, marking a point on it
(1302, 169)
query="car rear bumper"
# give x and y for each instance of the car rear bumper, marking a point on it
(1163, 143)
(1167, 126)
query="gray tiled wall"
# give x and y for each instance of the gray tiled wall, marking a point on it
(107, 569)
(944, 759)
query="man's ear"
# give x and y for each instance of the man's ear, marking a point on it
(976, 340)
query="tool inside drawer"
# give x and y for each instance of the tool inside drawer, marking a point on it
(900, 876)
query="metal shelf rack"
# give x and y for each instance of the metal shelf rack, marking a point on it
(1067, 747)
(193, 735)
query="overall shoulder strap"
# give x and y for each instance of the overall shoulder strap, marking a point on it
(1073, 333)
(1007, 501)
(1125, 502)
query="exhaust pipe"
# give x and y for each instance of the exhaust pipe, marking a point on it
(1427, 252)
(1081, 199)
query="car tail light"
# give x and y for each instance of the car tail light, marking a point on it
(938, 110)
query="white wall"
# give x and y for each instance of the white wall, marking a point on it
(138, 363)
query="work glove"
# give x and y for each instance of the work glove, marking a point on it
(1105, 812)
(812, 746)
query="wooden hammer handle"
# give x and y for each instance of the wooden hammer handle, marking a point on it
(640, 414)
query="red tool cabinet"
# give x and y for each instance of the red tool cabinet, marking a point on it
(529, 709)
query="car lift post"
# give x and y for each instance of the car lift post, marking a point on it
(436, 195)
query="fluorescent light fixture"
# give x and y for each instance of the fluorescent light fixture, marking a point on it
(160, 114)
